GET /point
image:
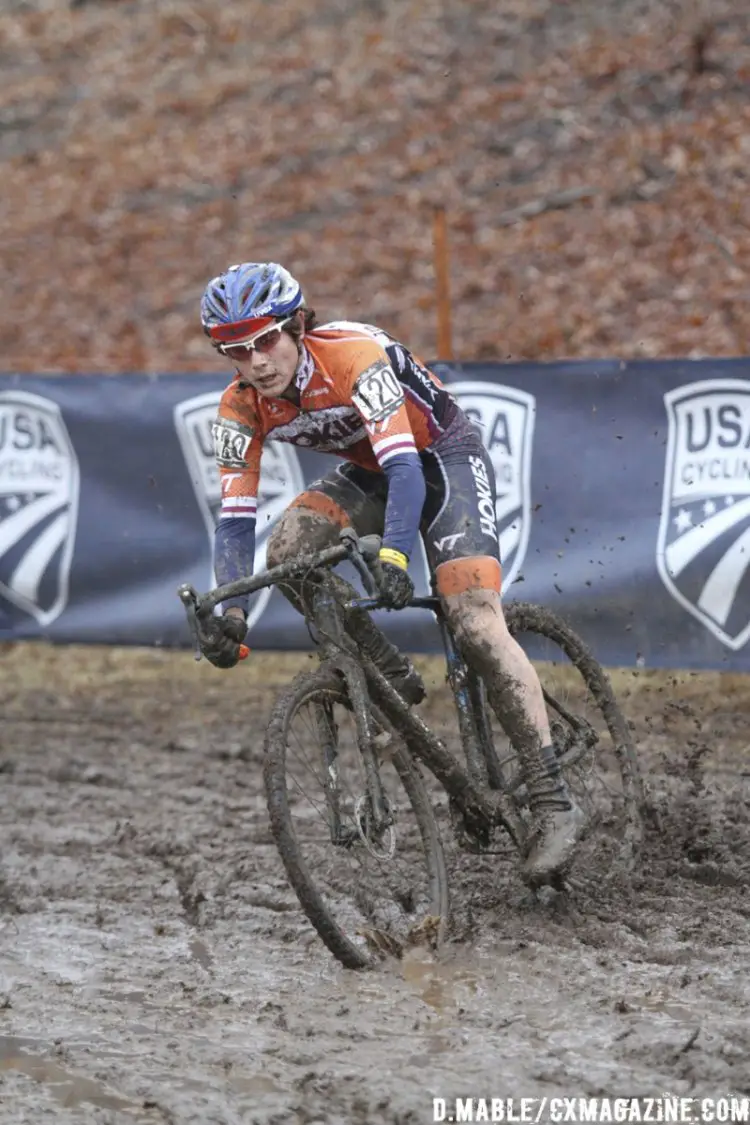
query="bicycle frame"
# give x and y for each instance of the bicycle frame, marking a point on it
(477, 791)
(460, 679)
(480, 808)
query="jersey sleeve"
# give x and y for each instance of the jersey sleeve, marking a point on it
(379, 398)
(238, 444)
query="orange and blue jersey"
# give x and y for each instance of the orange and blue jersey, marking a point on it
(362, 396)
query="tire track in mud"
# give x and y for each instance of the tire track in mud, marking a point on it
(154, 965)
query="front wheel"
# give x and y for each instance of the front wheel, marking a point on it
(367, 888)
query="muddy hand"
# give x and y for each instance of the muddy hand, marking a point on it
(219, 639)
(222, 641)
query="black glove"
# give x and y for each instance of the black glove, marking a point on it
(396, 587)
(220, 639)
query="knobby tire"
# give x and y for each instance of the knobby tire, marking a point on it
(328, 687)
(525, 617)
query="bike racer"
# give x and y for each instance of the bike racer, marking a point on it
(413, 463)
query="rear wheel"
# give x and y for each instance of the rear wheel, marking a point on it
(591, 736)
(367, 889)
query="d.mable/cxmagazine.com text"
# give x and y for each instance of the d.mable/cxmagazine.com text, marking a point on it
(540, 1111)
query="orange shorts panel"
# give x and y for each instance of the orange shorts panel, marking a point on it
(479, 572)
(324, 505)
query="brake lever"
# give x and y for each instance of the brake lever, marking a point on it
(190, 600)
(350, 539)
(369, 546)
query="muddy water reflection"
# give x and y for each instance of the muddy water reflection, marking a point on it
(69, 1089)
(446, 986)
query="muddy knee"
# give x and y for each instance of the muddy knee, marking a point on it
(470, 593)
(300, 530)
(478, 624)
(303, 529)
(473, 619)
(474, 613)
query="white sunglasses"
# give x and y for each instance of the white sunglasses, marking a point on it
(263, 341)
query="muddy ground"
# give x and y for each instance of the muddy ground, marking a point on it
(154, 966)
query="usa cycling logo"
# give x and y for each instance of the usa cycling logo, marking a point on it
(280, 480)
(505, 417)
(39, 485)
(704, 534)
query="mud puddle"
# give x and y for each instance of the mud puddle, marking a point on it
(70, 1090)
(154, 966)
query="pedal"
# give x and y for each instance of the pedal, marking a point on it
(473, 838)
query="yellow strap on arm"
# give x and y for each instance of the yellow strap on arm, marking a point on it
(387, 554)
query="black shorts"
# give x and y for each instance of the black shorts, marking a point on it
(458, 517)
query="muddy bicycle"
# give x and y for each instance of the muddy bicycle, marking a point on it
(348, 762)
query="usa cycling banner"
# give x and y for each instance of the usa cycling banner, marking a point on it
(623, 502)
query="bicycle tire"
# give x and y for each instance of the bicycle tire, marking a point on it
(325, 687)
(526, 617)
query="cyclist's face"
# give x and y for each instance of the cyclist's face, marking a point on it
(272, 369)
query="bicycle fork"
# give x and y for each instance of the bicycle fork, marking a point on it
(374, 808)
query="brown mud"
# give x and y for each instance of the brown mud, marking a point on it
(155, 967)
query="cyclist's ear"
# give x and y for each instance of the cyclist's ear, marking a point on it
(296, 326)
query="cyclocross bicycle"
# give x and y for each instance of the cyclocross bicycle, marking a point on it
(346, 758)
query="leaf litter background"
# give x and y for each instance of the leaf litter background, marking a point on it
(146, 145)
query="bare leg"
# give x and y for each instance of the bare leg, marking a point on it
(515, 694)
(478, 622)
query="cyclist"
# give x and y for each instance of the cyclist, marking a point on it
(413, 462)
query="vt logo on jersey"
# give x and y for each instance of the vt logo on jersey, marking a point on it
(280, 479)
(505, 418)
(38, 505)
(704, 534)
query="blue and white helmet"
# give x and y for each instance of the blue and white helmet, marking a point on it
(246, 293)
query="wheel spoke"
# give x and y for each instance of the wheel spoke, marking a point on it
(372, 880)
